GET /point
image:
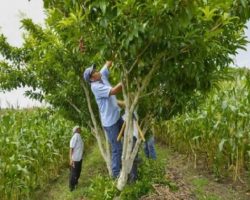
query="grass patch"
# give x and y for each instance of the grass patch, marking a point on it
(95, 183)
(200, 189)
(101, 187)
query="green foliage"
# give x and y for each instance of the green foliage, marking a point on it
(200, 184)
(93, 160)
(149, 172)
(219, 128)
(102, 187)
(34, 146)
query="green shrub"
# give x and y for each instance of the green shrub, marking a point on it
(149, 172)
(103, 188)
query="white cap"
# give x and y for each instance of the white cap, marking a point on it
(75, 129)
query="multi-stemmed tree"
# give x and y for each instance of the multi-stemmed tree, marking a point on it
(163, 51)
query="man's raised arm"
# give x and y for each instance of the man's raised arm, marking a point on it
(115, 90)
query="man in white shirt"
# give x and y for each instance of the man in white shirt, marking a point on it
(75, 156)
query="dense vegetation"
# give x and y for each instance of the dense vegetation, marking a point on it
(34, 147)
(218, 130)
(168, 50)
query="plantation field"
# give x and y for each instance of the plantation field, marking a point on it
(218, 130)
(34, 147)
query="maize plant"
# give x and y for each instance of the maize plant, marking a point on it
(218, 129)
(34, 145)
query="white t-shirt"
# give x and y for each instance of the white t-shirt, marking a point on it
(76, 144)
(135, 133)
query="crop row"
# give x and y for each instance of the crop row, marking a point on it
(34, 146)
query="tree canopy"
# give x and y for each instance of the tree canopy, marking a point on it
(188, 41)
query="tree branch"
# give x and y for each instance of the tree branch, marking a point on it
(147, 79)
(94, 121)
(138, 56)
(96, 130)
(74, 106)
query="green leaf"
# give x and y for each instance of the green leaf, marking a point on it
(221, 144)
(244, 3)
(224, 105)
(209, 13)
(103, 6)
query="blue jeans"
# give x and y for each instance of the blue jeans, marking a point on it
(149, 148)
(116, 146)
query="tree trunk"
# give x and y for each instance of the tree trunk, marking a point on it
(104, 152)
(123, 178)
(126, 163)
(96, 131)
(129, 152)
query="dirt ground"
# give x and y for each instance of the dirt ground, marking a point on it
(196, 183)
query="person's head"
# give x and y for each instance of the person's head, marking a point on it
(76, 129)
(91, 75)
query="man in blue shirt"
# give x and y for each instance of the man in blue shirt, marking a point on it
(109, 110)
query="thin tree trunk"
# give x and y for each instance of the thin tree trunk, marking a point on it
(127, 161)
(129, 153)
(104, 149)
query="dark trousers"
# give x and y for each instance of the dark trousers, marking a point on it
(75, 174)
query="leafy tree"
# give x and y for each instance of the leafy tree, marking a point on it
(163, 52)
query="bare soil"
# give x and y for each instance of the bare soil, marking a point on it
(196, 182)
